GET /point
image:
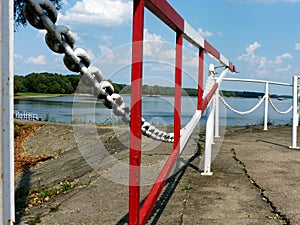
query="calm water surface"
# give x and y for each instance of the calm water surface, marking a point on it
(158, 110)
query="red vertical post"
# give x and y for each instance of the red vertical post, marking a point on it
(136, 111)
(177, 100)
(200, 78)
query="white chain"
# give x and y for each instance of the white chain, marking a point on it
(240, 112)
(277, 110)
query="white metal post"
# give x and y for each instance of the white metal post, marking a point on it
(217, 113)
(295, 112)
(7, 205)
(208, 139)
(266, 106)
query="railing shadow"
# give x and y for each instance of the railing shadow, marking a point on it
(21, 195)
(169, 190)
(272, 143)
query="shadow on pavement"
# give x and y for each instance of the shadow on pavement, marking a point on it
(21, 194)
(169, 189)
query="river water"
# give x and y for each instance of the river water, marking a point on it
(157, 110)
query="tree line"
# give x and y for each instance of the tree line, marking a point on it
(46, 83)
(68, 84)
(54, 83)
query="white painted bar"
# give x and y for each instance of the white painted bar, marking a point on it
(295, 113)
(208, 140)
(224, 60)
(7, 207)
(266, 106)
(217, 113)
(193, 36)
(188, 129)
(222, 76)
(257, 81)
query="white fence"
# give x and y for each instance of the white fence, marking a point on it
(268, 101)
(212, 123)
(26, 116)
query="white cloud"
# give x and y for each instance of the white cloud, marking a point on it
(151, 37)
(107, 38)
(297, 46)
(104, 49)
(65, 2)
(39, 60)
(152, 43)
(284, 69)
(99, 13)
(90, 54)
(76, 36)
(261, 64)
(41, 33)
(205, 33)
(278, 59)
(18, 56)
(251, 48)
(250, 55)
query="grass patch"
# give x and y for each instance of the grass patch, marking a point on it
(54, 208)
(36, 220)
(36, 197)
(188, 186)
(34, 94)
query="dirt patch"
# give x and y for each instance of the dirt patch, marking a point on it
(50, 139)
(24, 162)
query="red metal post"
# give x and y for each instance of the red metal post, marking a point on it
(200, 77)
(136, 111)
(177, 100)
(155, 191)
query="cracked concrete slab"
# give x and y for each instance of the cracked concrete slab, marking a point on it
(250, 161)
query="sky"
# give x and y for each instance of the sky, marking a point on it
(260, 37)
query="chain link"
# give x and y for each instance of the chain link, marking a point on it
(42, 14)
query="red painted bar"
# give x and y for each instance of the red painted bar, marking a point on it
(161, 180)
(200, 78)
(232, 67)
(165, 12)
(210, 49)
(178, 83)
(136, 111)
(209, 96)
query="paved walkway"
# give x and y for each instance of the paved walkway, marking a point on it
(255, 181)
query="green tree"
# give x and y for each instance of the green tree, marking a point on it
(74, 80)
(42, 88)
(19, 84)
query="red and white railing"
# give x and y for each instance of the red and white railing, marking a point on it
(164, 11)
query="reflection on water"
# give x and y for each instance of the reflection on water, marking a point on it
(158, 109)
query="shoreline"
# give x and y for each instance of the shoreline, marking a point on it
(144, 95)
